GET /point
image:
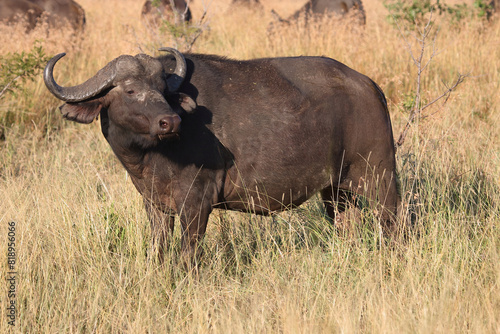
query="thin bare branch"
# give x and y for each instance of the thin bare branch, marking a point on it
(8, 85)
(417, 112)
(201, 25)
(447, 94)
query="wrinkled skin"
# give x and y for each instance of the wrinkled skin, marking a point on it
(259, 136)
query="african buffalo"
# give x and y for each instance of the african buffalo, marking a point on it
(249, 4)
(173, 11)
(55, 12)
(197, 132)
(321, 7)
(64, 10)
(12, 11)
(494, 7)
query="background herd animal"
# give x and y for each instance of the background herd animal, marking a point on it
(249, 4)
(316, 8)
(55, 12)
(153, 13)
(175, 12)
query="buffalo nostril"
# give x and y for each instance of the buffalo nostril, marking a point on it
(167, 124)
(164, 124)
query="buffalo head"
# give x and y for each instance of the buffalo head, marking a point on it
(130, 93)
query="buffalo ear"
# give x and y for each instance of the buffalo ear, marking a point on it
(81, 112)
(187, 103)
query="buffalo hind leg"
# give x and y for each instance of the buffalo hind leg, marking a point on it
(381, 195)
(384, 192)
(340, 207)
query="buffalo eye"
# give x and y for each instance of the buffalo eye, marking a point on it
(130, 91)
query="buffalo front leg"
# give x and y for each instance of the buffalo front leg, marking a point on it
(194, 224)
(162, 228)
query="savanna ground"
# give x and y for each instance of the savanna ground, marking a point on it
(83, 239)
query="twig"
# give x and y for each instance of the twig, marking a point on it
(416, 111)
(8, 85)
(200, 27)
(447, 93)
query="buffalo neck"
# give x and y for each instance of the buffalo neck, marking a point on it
(131, 156)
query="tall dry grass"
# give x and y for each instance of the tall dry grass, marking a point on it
(83, 238)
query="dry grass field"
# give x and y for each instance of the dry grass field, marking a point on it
(83, 239)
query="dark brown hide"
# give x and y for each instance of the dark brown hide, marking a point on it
(63, 12)
(259, 136)
(248, 4)
(12, 11)
(315, 8)
(494, 8)
(57, 13)
(153, 15)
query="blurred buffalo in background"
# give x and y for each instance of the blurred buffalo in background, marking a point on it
(56, 12)
(173, 11)
(13, 11)
(248, 4)
(316, 8)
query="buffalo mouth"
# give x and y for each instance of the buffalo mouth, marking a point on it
(168, 136)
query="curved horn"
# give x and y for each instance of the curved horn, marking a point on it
(90, 88)
(175, 81)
